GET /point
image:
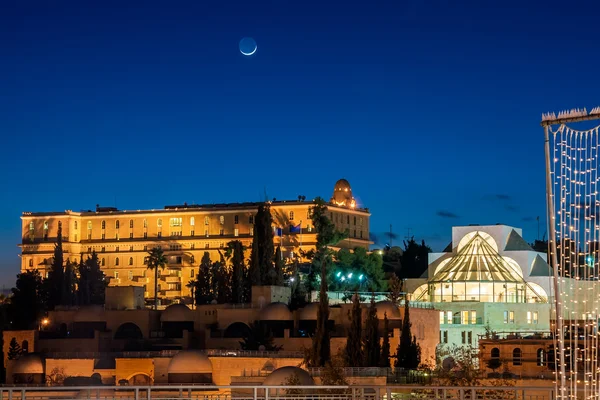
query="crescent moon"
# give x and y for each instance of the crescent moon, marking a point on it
(252, 52)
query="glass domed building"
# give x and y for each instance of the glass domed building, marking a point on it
(488, 278)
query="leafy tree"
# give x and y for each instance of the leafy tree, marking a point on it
(394, 289)
(14, 349)
(384, 359)
(408, 353)
(222, 277)
(327, 235)
(56, 276)
(27, 302)
(70, 281)
(203, 288)
(372, 348)
(279, 267)
(354, 353)
(321, 346)
(259, 336)
(235, 253)
(414, 259)
(92, 282)
(494, 363)
(358, 270)
(298, 296)
(155, 260)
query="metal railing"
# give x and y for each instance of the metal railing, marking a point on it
(259, 392)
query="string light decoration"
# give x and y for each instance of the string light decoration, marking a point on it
(573, 202)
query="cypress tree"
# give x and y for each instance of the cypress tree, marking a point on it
(279, 266)
(203, 294)
(83, 288)
(68, 295)
(321, 346)
(97, 280)
(384, 359)
(408, 353)
(354, 354)
(264, 236)
(56, 276)
(254, 269)
(372, 348)
(236, 251)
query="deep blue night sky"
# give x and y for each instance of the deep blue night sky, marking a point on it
(429, 108)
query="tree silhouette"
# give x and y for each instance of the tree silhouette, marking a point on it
(321, 346)
(354, 353)
(259, 337)
(384, 359)
(414, 259)
(92, 282)
(203, 295)
(155, 260)
(55, 281)
(235, 253)
(14, 349)
(27, 305)
(372, 348)
(408, 353)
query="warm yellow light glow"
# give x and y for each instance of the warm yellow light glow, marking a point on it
(45, 321)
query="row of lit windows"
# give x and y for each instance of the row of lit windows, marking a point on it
(340, 218)
(464, 318)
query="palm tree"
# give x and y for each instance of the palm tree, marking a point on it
(156, 259)
(192, 286)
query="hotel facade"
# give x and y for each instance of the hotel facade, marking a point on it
(122, 238)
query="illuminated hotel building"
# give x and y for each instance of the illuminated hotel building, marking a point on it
(122, 238)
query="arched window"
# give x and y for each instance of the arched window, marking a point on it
(75, 225)
(192, 221)
(236, 219)
(25, 346)
(103, 262)
(291, 215)
(89, 224)
(192, 260)
(117, 224)
(517, 356)
(117, 261)
(145, 223)
(31, 262)
(103, 225)
(31, 226)
(45, 225)
(159, 223)
(495, 353)
(541, 357)
(130, 260)
(131, 223)
(222, 219)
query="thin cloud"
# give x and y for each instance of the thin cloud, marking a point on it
(446, 214)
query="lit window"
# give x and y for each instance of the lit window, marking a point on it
(31, 226)
(291, 215)
(251, 230)
(192, 221)
(236, 219)
(103, 236)
(103, 224)
(131, 224)
(117, 236)
(206, 232)
(309, 228)
(116, 274)
(535, 317)
(89, 225)
(473, 317)
(117, 261)
(31, 262)
(464, 317)
(130, 248)
(117, 224)
(222, 219)
(159, 222)
(442, 317)
(192, 232)
(221, 245)
(541, 358)
(221, 232)
(511, 317)
(206, 220)
(130, 260)
(236, 232)
(130, 275)
(529, 317)
(360, 221)
(75, 225)
(449, 316)
(45, 225)
(175, 221)
(506, 317)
